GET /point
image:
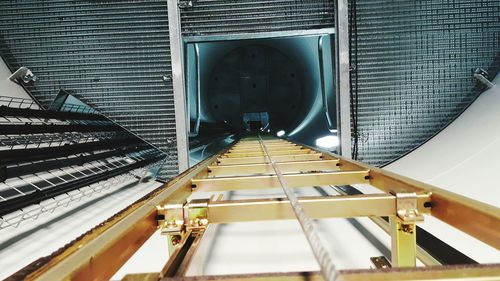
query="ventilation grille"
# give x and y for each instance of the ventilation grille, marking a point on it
(222, 17)
(414, 68)
(113, 55)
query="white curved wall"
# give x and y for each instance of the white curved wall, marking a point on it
(464, 159)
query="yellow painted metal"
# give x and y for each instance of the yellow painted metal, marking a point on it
(293, 180)
(436, 273)
(98, 254)
(403, 243)
(285, 167)
(261, 153)
(270, 148)
(422, 255)
(314, 207)
(263, 159)
(257, 147)
(470, 216)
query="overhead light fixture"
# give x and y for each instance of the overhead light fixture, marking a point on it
(328, 142)
(280, 133)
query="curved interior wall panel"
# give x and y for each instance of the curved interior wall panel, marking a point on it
(414, 68)
(278, 76)
(113, 55)
(223, 17)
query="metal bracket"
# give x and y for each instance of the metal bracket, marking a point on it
(407, 209)
(380, 262)
(184, 4)
(174, 219)
(22, 74)
(482, 76)
(170, 218)
(196, 214)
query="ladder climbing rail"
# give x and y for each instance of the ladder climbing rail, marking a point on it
(255, 163)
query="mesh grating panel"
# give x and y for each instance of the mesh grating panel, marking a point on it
(414, 68)
(217, 17)
(111, 54)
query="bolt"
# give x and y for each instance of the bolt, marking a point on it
(203, 222)
(176, 239)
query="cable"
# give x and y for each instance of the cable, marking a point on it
(330, 273)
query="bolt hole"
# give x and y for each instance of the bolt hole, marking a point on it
(428, 204)
(367, 177)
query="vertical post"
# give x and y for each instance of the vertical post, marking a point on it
(403, 243)
(179, 84)
(342, 76)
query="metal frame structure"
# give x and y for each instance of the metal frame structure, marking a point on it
(179, 84)
(99, 253)
(343, 77)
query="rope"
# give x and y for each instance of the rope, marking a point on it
(330, 273)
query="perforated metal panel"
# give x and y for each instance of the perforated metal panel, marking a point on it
(414, 68)
(113, 55)
(222, 17)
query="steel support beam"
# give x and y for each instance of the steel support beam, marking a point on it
(178, 83)
(448, 273)
(285, 167)
(470, 216)
(343, 78)
(314, 207)
(263, 159)
(293, 180)
(240, 154)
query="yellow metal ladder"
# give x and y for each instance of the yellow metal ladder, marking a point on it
(246, 165)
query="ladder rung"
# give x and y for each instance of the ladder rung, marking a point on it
(285, 167)
(263, 159)
(272, 153)
(315, 207)
(272, 148)
(293, 180)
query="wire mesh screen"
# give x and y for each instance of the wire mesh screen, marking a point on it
(413, 64)
(113, 55)
(216, 17)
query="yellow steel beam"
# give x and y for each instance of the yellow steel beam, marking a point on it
(470, 216)
(98, 254)
(285, 167)
(437, 273)
(293, 180)
(272, 153)
(314, 207)
(259, 149)
(256, 140)
(256, 146)
(403, 243)
(263, 159)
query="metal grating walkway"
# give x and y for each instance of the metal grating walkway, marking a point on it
(414, 68)
(113, 55)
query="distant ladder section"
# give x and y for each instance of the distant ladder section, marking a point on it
(255, 163)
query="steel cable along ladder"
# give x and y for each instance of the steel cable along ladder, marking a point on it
(255, 163)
